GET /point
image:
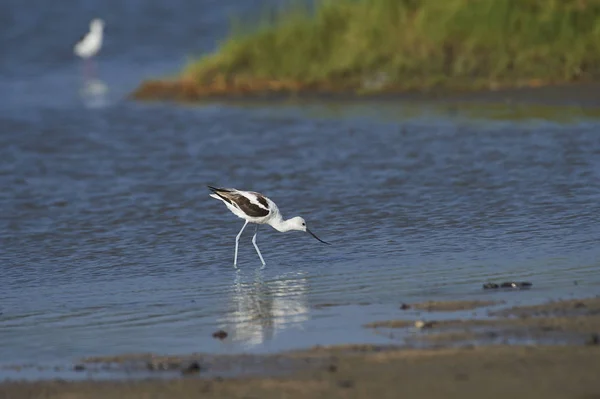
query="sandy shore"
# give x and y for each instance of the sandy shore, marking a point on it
(483, 372)
(469, 359)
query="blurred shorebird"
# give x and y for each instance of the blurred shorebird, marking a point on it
(256, 208)
(90, 44)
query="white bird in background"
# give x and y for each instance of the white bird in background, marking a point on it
(256, 208)
(89, 45)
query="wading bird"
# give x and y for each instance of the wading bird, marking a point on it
(256, 208)
(89, 45)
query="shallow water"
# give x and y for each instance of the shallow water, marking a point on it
(110, 244)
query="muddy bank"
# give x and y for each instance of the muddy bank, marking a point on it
(491, 372)
(542, 351)
(574, 94)
(572, 307)
(429, 306)
(560, 322)
(448, 306)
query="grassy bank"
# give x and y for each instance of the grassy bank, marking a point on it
(401, 45)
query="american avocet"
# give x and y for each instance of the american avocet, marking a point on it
(89, 45)
(256, 208)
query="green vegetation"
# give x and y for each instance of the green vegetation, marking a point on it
(396, 45)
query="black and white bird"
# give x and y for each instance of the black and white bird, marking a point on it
(91, 43)
(255, 208)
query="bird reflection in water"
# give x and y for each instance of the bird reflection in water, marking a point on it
(94, 94)
(94, 90)
(259, 309)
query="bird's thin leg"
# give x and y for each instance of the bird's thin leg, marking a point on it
(237, 239)
(256, 246)
(86, 71)
(92, 68)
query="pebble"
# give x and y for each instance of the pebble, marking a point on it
(79, 367)
(594, 339)
(193, 367)
(423, 324)
(508, 284)
(220, 334)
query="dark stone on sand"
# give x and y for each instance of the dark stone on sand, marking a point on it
(424, 324)
(513, 284)
(345, 384)
(594, 339)
(332, 368)
(79, 367)
(405, 306)
(193, 367)
(220, 334)
(508, 284)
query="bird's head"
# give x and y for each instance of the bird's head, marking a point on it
(298, 223)
(96, 24)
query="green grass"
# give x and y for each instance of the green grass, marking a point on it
(412, 44)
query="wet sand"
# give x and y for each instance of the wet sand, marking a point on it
(491, 372)
(448, 306)
(560, 322)
(483, 365)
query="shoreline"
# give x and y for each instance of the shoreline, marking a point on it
(556, 342)
(580, 94)
(471, 372)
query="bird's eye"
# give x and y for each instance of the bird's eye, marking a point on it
(303, 224)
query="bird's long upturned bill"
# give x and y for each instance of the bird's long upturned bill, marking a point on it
(313, 234)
